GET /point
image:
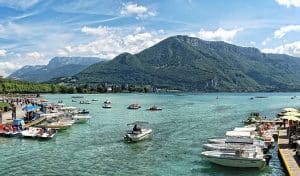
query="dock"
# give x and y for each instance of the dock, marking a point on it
(35, 122)
(287, 154)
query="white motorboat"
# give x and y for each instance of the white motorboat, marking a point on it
(138, 132)
(46, 133)
(238, 158)
(30, 133)
(107, 104)
(81, 118)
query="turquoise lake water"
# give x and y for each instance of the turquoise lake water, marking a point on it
(179, 130)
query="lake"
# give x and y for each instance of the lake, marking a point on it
(179, 130)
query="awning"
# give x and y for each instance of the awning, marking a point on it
(290, 110)
(30, 108)
(293, 118)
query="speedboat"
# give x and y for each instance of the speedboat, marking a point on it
(138, 132)
(134, 106)
(46, 133)
(154, 108)
(59, 125)
(31, 132)
(238, 158)
(83, 112)
(107, 104)
(81, 118)
(84, 102)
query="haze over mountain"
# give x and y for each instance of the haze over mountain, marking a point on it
(192, 64)
(57, 67)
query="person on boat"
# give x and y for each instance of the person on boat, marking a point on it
(136, 128)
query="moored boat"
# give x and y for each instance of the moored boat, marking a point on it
(154, 108)
(238, 158)
(81, 118)
(134, 106)
(107, 104)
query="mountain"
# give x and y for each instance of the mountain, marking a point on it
(192, 64)
(57, 67)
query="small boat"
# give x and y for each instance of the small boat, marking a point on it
(134, 106)
(81, 118)
(154, 108)
(59, 125)
(138, 132)
(31, 132)
(46, 133)
(83, 112)
(84, 102)
(94, 100)
(107, 104)
(238, 158)
(74, 100)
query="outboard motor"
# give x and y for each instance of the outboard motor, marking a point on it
(268, 158)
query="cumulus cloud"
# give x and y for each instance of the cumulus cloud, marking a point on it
(110, 42)
(35, 55)
(219, 34)
(292, 49)
(8, 67)
(289, 3)
(286, 29)
(2, 52)
(138, 10)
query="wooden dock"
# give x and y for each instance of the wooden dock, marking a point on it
(35, 122)
(287, 154)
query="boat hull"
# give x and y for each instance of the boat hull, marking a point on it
(234, 162)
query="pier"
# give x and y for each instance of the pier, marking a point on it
(290, 160)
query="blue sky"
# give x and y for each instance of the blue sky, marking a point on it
(34, 31)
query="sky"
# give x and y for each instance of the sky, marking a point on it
(34, 31)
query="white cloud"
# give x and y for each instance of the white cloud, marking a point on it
(138, 10)
(286, 29)
(110, 42)
(219, 34)
(292, 49)
(35, 55)
(8, 67)
(289, 3)
(2, 52)
(19, 4)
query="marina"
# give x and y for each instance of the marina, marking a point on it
(176, 141)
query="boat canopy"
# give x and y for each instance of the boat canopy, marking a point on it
(238, 133)
(138, 123)
(293, 118)
(245, 129)
(290, 110)
(31, 108)
(18, 122)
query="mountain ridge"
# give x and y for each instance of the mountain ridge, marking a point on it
(191, 64)
(57, 67)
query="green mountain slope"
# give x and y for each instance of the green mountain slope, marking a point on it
(186, 63)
